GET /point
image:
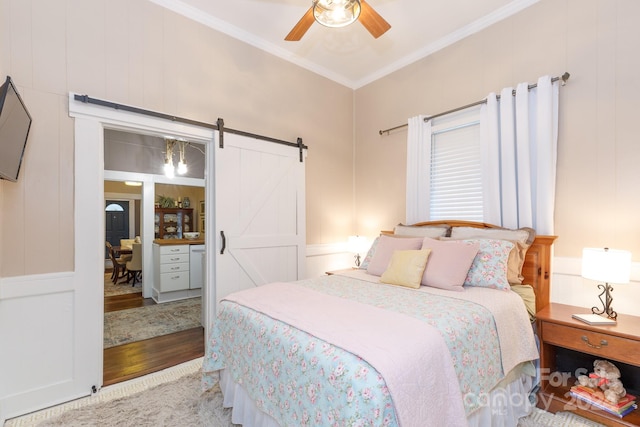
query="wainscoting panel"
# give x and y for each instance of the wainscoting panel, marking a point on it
(326, 257)
(38, 341)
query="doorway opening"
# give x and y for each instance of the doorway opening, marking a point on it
(86, 322)
(137, 321)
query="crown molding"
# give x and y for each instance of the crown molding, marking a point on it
(224, 27)
(472, 28)
(197, 15)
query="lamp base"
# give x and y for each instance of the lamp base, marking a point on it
(357, 258)
(608, 299)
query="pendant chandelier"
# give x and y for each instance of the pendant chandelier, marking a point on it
(169, 169)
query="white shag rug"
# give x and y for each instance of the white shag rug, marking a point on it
(540, 418)
(173, 397)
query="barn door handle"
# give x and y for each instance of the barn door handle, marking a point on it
(224, 242)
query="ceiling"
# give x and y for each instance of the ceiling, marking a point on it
(349, 55)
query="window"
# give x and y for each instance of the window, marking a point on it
(455, 190)
(114, 207)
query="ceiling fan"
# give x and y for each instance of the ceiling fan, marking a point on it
(339, 13)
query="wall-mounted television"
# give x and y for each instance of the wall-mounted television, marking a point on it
(15, 122)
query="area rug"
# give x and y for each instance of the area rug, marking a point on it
(120, 288)
(540, 418)
(173, 397)
(137, 324)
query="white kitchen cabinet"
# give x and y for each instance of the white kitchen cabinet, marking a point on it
(196, 266)
(172, 275)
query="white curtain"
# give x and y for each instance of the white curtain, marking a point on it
(519, 139)
(418, 161)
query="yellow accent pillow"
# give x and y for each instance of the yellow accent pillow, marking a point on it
(406, 268)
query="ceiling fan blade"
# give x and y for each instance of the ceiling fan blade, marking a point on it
(372, 21)
(301, 27)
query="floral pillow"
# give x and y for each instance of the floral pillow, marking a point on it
(489, 267)
(372, 250)
(521, 237)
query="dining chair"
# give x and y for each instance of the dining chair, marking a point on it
(126, 244)
(134, 266)
(119, 265)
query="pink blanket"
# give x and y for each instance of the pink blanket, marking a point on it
(411, 355)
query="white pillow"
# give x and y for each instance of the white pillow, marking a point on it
(424, 231)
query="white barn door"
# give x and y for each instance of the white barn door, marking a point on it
(259, 213)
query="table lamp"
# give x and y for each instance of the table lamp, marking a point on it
(357, 245)
(608, 266)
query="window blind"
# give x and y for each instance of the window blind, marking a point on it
(455, 174)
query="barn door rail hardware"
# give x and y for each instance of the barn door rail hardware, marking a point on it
(222, 129)
(86, 99)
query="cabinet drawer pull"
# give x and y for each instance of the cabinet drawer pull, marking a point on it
(603, 343)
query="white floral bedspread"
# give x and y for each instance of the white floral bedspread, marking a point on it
(300, 379)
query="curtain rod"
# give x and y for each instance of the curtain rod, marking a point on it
(564, 79)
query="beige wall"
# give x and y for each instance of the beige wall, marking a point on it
(598, 42)
(135, 52)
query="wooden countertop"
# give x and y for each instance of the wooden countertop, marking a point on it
(168, 242)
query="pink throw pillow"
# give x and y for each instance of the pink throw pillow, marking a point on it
(448, 264)
(385, 248)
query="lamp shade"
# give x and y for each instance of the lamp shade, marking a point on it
(357, 244)
(606, 265)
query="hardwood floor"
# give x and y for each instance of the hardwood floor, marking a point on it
(132, 360)
(125, 301)
(135, 359)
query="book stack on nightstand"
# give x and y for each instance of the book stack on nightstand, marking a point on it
(568, 348)
(595, 398)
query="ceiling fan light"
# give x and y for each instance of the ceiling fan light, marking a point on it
(336, 13)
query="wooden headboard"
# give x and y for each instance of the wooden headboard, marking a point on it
(537, 263)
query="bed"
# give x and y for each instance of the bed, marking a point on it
(434, 328)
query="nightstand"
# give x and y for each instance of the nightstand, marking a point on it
(330, 273)
(566, 345)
